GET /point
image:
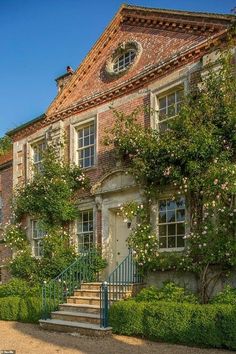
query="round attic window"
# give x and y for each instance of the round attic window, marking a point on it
(123, 58)
(123, 61)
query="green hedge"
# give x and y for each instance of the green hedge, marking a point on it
(14, 308)
(202, 325)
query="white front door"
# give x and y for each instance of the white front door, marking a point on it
(121, 234)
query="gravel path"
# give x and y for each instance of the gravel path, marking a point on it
(30, 339)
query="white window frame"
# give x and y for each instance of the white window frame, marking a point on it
(83, 148)
(175, 104)
(158, 224)
(36, 166)
(161, 91)
(82, 233)
(74, 129)
(119, 64)
(36, 238)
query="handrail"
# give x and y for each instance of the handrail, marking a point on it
(57, 290)
(117, 285)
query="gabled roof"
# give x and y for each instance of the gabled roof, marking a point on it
(205, 29)
(201, 24)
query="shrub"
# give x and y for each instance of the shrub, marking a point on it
(227, 296)
(127, 317)
(192, 324)
(169, 292)
(14, 308)
(9, 308)
(19, 287)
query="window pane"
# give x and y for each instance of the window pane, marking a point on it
(180, 241)
(181, 229)
(171, 242)
(162, 242)
(86, 131)
(171, 111)
(180, 203)
(162, 230)
(179, 95)
(162, 205)
(86, 140)
(162, 103)
(171, 99)
(180, 215)
(162, 114)
(162, 217)
(171, 216)
(171, 229)
(171, 205)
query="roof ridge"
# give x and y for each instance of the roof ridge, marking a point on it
(173, 11)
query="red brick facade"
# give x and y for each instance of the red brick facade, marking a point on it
(172, 44)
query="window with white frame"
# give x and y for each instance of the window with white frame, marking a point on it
(171, 223)
(38, 149)
(86, 145)
(37, 238)
(1, 208)
(123, 61)
(169, 106)
(85, 230)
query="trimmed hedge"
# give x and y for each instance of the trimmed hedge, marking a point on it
(202, 325)
(14, 308)
(19, 287)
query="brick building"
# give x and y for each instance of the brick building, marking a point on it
(144, 57)
(6, 175)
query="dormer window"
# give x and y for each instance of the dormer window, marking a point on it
(123, 61)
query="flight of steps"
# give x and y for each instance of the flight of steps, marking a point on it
(81, 313)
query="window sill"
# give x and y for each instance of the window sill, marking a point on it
(179, 249)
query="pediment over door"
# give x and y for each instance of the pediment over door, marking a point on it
(113, 182)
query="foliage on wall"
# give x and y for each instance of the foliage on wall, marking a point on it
(50, 197)
(194, 157)
(5, 145)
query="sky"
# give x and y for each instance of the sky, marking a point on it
(39, 38)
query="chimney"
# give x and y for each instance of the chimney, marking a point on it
(63, 79)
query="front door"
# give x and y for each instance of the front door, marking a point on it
(121, 234)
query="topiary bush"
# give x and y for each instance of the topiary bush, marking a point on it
(192, 324)
(9, 308)
(14, 308)
(169, 292)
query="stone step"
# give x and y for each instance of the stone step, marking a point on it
(96, 293)
(91, 286)
(76, 316)
(80, 308)
(75, 327)
(86, 300)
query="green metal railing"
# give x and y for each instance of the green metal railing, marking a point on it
(57, 290)
(117, 285)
